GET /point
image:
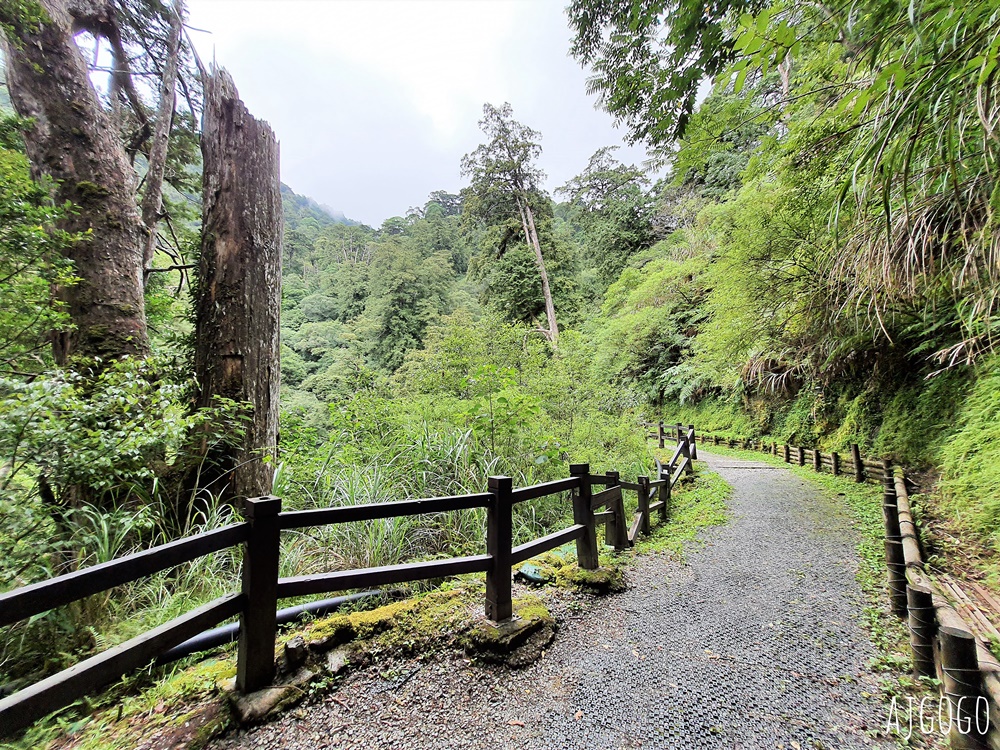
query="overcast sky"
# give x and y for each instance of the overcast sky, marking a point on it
(375, 101)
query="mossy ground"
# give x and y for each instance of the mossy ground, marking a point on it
(137, 709)
(194, 698)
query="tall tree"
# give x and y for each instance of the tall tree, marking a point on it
(70, 138)
(615, 208)
(505, 179)
(152, 199)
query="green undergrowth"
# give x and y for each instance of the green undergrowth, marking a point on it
(697, 503)
(889, 635)
(970, 463)
(139, 707)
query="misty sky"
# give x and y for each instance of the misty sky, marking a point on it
(376, 101)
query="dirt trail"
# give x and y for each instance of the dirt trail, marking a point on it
(753, 643)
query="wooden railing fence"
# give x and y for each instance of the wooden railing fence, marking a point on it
(261, 587)
(942, 643)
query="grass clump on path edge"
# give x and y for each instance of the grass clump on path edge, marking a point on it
(697, 503)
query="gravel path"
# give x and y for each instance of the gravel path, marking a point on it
(754, 643)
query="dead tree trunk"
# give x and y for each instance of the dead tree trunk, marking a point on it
(531, 234)
(71, 139)
(152, 199)
(239, 283)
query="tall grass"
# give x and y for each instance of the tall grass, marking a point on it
(400, 454)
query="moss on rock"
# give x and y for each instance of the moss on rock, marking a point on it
(607, 579)
(516, 642)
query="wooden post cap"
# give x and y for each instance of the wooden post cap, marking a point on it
(261, 507)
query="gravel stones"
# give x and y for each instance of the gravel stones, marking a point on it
(754, 643)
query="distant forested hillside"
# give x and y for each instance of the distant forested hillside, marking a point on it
(301, 209)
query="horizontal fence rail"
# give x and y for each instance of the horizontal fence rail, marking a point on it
(557, 539)
(542, 490)
(260, 537)
(298, 519)
(342, 580)
(36, 598)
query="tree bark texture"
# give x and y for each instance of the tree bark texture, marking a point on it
(528, 219)
(71, 140)
(152, 199)
(239, 282)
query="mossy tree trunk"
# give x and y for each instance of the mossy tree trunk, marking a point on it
(239, 284)
(71, 140)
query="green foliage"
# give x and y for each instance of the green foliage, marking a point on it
(721, 138)
(647, 325)
(92, 463)
(614, 208)
(649, 58)
(970, 463)
(918, 422)
(67, 429)
(30, 260)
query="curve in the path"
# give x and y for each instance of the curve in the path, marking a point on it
(753, 643)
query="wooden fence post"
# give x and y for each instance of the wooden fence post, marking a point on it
(788, 453)
(617, 535)
(259, 618)
(923, 629)
(802, 456)
(686, 453)
(693, 441)
(817, 460)
(665, 494)
(679, 429)
(661, 434)
(859, 467)
(835, 463)
(499, 538)
(894, 558)
(643, 483)
(583, 514)
(962, 687)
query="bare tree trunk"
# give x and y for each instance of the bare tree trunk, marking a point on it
(100, 18)
(71, 140)
(239, 283)
(152, 199)
(528, 219)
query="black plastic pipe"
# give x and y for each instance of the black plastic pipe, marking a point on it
(228, 633)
